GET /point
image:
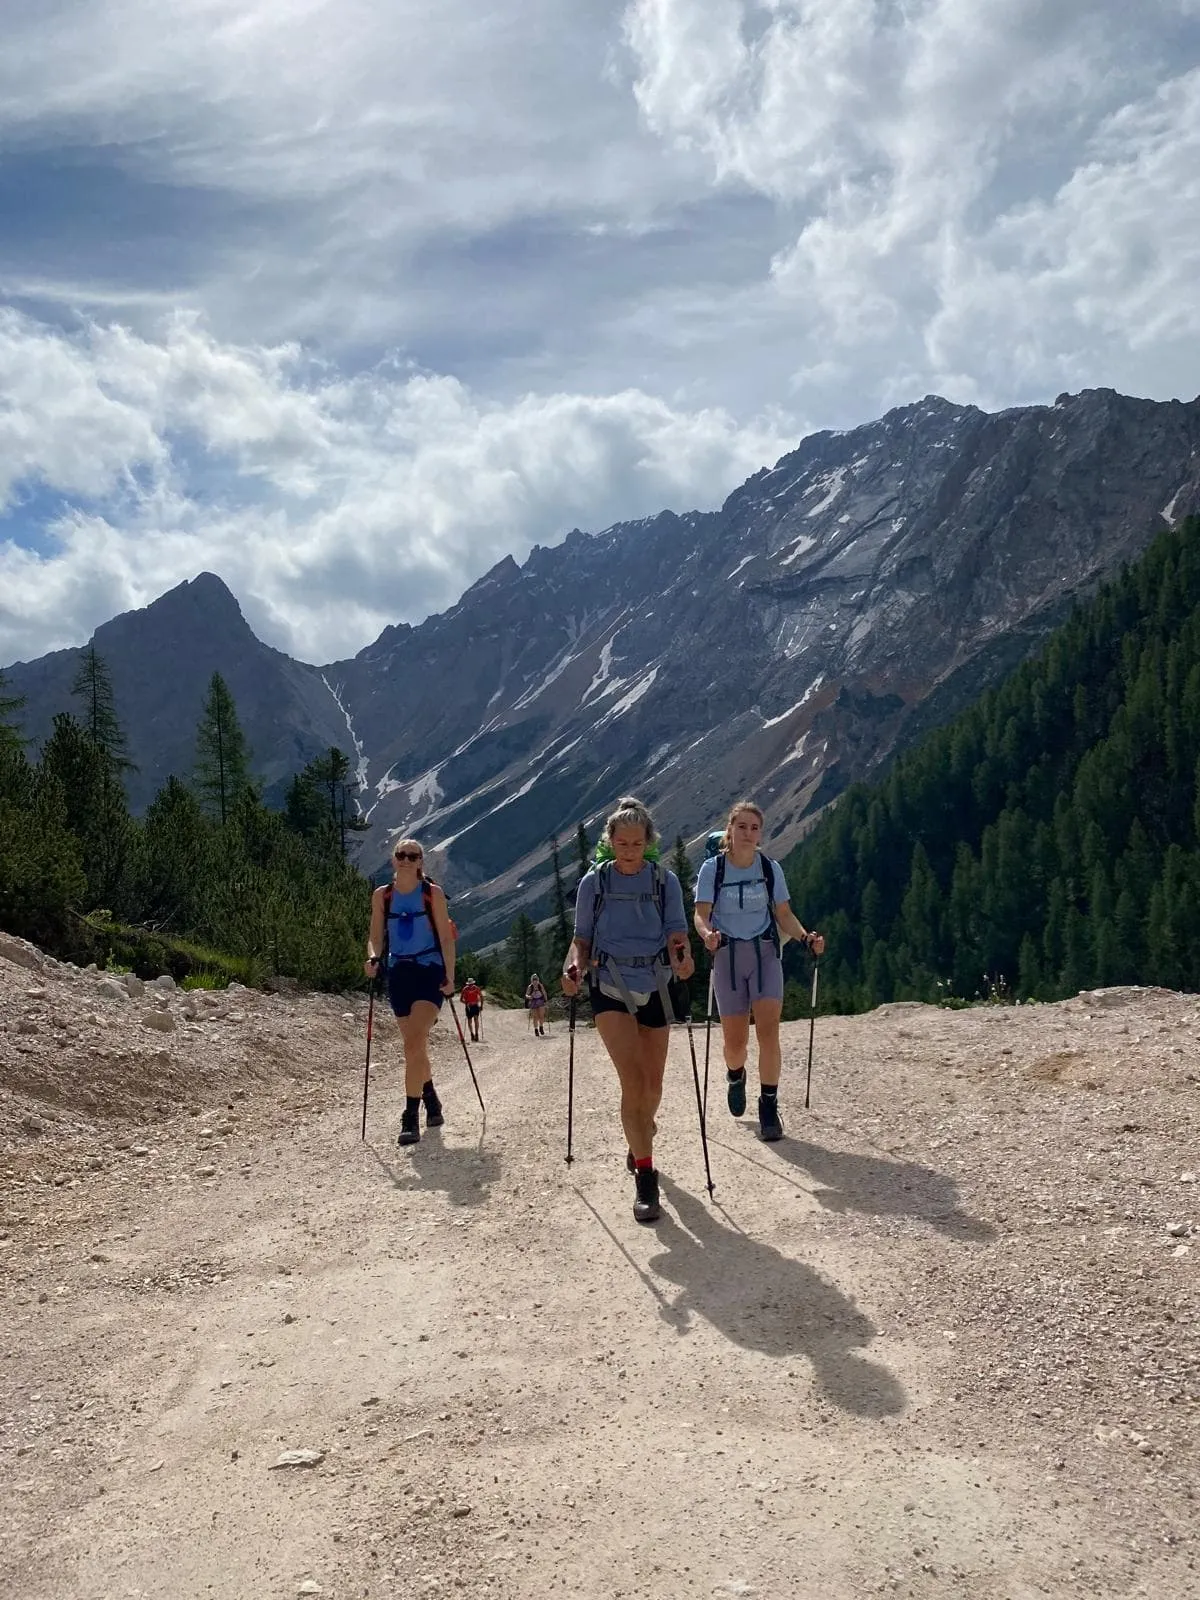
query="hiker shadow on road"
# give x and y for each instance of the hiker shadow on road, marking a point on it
(883, 1188)
(464, 1174)
(763, 1300)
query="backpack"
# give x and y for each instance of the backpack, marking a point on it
(658, 890)
(427, 888)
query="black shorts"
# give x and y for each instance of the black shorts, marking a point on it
(409, 981)
(473, 1011)
(648, 1016)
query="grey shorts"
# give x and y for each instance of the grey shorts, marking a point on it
(736, 994)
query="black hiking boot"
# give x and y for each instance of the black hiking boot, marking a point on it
(410, 1129)
(646, 1207)
(735, 1092)
(433, 1107)
(769, 1126)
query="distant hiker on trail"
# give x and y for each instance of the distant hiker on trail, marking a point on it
(412, 939)
(630, 936)
(472, 999)
(741, 910)
(535, 999)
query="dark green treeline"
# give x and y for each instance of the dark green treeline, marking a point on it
(1046, 841)
(210, 884)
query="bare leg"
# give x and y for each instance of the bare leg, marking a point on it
(640, 1057)
(766, 1027)
(735, 1035)
(414, 1032)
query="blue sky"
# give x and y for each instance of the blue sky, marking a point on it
(345, 301)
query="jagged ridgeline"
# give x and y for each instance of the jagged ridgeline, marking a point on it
(1046, 841)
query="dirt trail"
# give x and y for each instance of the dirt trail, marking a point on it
(940, 1341)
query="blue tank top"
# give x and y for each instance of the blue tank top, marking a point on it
(410, 934)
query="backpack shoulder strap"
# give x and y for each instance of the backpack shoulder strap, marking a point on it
(658, 887)
(602, 873)
(767, 868)
(719, 875)
(386, 944)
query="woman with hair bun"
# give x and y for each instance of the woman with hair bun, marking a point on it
(741, 910)
(630, 938)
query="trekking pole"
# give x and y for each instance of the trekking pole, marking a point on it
(699, 1102)
(712, 978)
(570, 1075)
(367, 1068)
(812, 1023)
(462, 1040)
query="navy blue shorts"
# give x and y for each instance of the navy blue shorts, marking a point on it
(410, 981)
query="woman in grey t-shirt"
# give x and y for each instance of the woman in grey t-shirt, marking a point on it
(741, 922)
(630, 937)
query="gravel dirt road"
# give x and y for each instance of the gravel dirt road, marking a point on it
(940, 1341)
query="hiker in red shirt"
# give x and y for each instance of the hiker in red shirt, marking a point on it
(472, 999)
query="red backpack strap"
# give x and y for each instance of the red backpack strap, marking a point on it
(427, 888)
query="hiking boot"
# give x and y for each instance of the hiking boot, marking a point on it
(735, 1093)
(646, 1207)
(769, 1126)
(410, 1131)
(433, 1108)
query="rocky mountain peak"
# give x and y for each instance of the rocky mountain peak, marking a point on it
(202, 609)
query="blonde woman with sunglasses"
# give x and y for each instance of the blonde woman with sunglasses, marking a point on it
(412, 941)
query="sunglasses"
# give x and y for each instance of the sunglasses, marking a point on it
(407, 855)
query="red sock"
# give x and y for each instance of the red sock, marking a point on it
(643, 1163)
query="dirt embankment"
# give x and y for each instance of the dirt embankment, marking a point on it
(942, 1340)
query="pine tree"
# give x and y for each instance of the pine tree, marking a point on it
(583, 851)
(10, 733)
(172, 862)
(95, 809)
(522, 951)
(560, 929)
(222, 758)
(92, 685)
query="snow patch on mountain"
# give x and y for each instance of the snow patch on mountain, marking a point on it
(604, 670)
(1168, 511)
(551, 676)
(771, 722)
(804, 543)
(833, 485)
(628, 701)
(426, 790)
(360, 768)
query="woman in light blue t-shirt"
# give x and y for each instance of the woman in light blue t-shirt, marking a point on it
(743, 915)
(630, 938)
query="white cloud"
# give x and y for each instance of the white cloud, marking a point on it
(332, 505)
(990, 201)
(401, 288)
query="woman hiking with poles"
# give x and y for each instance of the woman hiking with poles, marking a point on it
(630, 938)
(741, 910)
(412, 939)
(536, 998)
